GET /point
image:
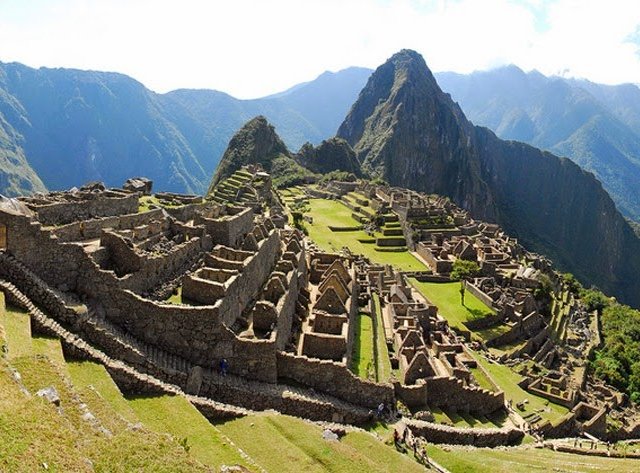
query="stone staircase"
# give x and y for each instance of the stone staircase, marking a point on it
(128, 379)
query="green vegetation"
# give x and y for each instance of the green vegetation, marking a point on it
(363, 363)
(176, 415)
(507, 380)
(327, 213)
(463, 269)
(466, 420)
(17, 327)
(37, 436)
(523, 460)
(93, 377)
(383, 363)
(618, 361)
(447, 297)
(300, 447)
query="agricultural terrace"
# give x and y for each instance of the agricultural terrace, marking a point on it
(507, 380)
(446, 296)
(524, 460)
(331, 213)
(301, 448)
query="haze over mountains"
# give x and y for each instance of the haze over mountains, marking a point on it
(61, 127)
(597, 126)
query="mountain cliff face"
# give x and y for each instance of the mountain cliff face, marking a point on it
(597, 126)
(333, 154)
(406, 130)
(94, 126)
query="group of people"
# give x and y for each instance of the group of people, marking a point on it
(409, 441)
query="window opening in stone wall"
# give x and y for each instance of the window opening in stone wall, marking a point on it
(3, 237)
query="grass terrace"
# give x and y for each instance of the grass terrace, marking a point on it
(524, 460)
(446, 296)
(507, 380)
(363, 362)
(300, 447)
(383, 363)
(176, 415)
(331, 213)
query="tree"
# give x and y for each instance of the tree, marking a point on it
(463, 269)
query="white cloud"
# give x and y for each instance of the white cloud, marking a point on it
(251, 48)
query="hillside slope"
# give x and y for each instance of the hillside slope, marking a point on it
(109, 127)
(406, 130)
(597, 126)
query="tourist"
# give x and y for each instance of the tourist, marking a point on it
(380, 410)
(224, 367)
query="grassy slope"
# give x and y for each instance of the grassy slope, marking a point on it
(176, 415)
(383, 363)
(34, 433)
(508, 380)
(524, 460)
(330, 212)
(300, 447)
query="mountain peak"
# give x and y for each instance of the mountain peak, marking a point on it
(255, 143)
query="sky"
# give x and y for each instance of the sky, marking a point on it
(252, 48)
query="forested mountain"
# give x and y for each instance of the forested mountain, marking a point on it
(597, 126)
(62, 127)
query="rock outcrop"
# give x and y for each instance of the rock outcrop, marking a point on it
(333, 154)
(405, 129)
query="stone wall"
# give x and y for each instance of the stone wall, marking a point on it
(527, 327)
(90, 229)
(451, 393)
(100, 205)
(476, 291)
(194, 333)
(250, 281)
(229, 229)
(438, 433)
(335, 379)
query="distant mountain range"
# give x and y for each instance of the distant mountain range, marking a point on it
(595, 125)
(62, 127)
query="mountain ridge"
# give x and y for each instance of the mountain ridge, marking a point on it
(406, 130)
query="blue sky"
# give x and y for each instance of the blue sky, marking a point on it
(251, 48)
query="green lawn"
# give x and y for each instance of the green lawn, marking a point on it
(300, 447)
(94, 377)
(36, 436)
(17, 326)
(524, 460)
(507, 380)
(327, 213)
(177, 416)
(363, 362)
(383, 363)
(446, 296)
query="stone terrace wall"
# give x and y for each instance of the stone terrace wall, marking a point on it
(194, 333)
(335, 379)
(437, 433)
(89, 229)
(250, 281)
(450, 393)
(99, 206)
(228, 230)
